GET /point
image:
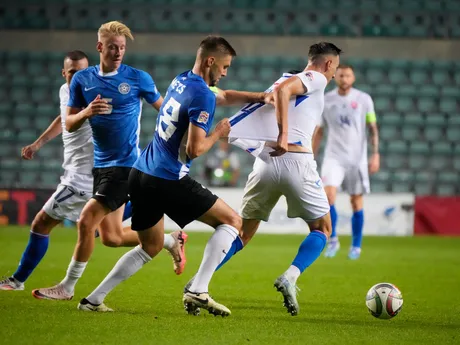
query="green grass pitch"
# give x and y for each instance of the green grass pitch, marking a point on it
(148, 308)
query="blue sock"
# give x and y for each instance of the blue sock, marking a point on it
(310, 250)
(357, 223)
(34, 253)
(237, 245)
(128, 211)
(333, 221)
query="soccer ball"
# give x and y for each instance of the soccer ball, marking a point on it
(384, 300)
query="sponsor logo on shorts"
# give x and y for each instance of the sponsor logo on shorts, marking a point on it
(204, 117)
(318, 183)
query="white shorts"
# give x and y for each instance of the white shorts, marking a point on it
(354, 180)
(293, 175)
(66, 203)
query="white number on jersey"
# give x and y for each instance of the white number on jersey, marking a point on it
(109, 111)
(170, 113)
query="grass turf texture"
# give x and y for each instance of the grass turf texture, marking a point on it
(148, 307)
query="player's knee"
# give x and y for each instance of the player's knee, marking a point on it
(235, 221)
(356, 202)
(40, 226)
(111, 241)
(85, 225)
(323, 225)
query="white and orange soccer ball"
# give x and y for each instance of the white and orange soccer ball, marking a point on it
(384, 300)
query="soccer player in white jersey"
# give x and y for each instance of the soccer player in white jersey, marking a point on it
(285, 164)
(347, 114)
(75, 188)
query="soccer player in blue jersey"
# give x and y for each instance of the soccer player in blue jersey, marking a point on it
(159, 183)
(110, 95)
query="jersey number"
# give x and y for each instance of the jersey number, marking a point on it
(169, 113)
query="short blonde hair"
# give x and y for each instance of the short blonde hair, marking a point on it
(114, 28)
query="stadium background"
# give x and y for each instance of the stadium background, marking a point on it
(406, 55)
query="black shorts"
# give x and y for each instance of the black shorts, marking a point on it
(110, 186)
(183, 200)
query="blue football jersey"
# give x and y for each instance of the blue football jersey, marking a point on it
(188, 100)
(115, 133)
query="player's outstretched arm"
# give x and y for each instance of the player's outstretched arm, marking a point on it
(317, 137)
(232, 97)
(198, 143)
(53, 130)
(76, 117)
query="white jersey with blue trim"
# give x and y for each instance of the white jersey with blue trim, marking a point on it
(78, 150)
(116, 132)
(256, 123)
(188, 100)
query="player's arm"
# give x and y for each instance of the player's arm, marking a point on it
(317, 137)
(198, 142)
(201, 113)
(149, 91)
(282, 93)
(53, 130)
(157, 104)
(232, 97)
(371, 120)
(76, 116)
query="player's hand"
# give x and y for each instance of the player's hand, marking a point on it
(98, 106)
(223, 128)
(374, 163)
(28, 151)
(281, 145)
(269, 98)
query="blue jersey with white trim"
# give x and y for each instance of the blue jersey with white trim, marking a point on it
(116, 132)
(188, 100)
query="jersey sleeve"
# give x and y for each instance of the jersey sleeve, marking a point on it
(147, 88)
(76, 99)
(201, 110)
(370, 112)
(313, 81)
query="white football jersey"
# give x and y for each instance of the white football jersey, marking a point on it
(78, 150)
(345, 119)
(257, 121)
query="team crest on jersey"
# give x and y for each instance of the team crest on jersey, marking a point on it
(309, 76)
(204, 117)
(354, 104)
(124, 88)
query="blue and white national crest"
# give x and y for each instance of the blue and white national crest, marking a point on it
(124, 88)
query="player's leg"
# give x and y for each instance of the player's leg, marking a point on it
(34, 252)
(309, 202)
(148, 221)
(260, 196)
(92, 215)
(151, 240)
(174, 242)
(332, 174)
(356, 184)
(357, 224)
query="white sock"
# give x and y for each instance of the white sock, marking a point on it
(215, 251)
(169, 242)
(74, 272)
(128, 264)
(292, 273)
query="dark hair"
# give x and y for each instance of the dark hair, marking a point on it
(318, 50)
(345, 66)
(294, 71)
(76, 55)
(216, 44)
